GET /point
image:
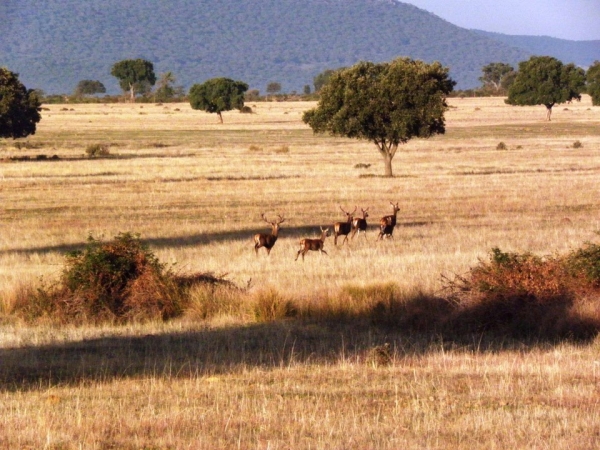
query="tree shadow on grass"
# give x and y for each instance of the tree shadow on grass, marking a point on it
(182, 241)
(414, 327)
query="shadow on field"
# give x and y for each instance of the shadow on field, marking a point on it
(413, 328)
(193, 240)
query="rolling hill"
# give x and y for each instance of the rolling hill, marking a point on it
(56, 43)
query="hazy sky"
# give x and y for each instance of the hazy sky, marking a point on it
(565, 19)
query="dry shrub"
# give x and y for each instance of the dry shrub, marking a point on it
(523, 295)
(117, 281)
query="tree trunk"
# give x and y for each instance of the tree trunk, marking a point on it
(549, 111)
(131, 93)
(220, 117)
(387, 159)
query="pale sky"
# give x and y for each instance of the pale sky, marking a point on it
(566, 19)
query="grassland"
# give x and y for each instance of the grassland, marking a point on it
(195, 189)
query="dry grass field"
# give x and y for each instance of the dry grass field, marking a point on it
(195, 189)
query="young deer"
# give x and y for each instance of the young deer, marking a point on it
(360, 224)
(267, 240)
(313, 244)
(387, 223)
(343, 228)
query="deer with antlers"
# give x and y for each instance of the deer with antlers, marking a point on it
(360, 223)
(343, 228)
(387, 223)
(313, 244)
(267, 240)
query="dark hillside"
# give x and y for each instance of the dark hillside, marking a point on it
(55, 43)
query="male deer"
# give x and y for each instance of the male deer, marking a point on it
(343, 228)
(313, 244)
(267, 240)
(360, 224)
(387, 223)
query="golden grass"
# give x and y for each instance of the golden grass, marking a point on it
(195, 190)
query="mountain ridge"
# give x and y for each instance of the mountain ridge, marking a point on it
(56, 43)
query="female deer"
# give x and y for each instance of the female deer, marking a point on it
(267, 240)
(313, 244)
(360, 224)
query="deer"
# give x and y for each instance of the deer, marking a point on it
(387, 223)
(313, 244)
(343, 228)
(360, 224)
(267, 240)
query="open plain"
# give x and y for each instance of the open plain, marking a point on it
(195, 190)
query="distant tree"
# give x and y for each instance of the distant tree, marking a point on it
(165, 90)
(134, 75)
(387, 104)
(544, 80)
(19, 107)
(273, 87)
(321, 79)
(593, 82)
(306, 89)
(494, 74)
(252, 95)
(218, 95)
(89, 87)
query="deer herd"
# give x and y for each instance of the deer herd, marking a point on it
(351, 226)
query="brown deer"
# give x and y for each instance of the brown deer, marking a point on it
(387, 223)
(267, 240)
(313, 244)
(360, 224)
(343, 228)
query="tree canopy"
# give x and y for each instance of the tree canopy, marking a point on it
(134, 75)
(544, 80)
(19, 107)
(387, 104)
(593, 82)
(89, 87)
(217, 95)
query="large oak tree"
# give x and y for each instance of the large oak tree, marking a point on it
(19, 107)
(387, 104)
(544, 80)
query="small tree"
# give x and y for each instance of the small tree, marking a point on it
(19, 107)
(134, 75)
(387, 103)
(306, 89)
(217, 95)
(593, 82)
(89, 87)
(273, 88)
(544, 80)
(165, 90)
(494, 74)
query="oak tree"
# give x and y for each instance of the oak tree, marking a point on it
(134, 75)
(593, 82)
(217, 95)
(19, 107)
(387, 104)
(544, 80)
